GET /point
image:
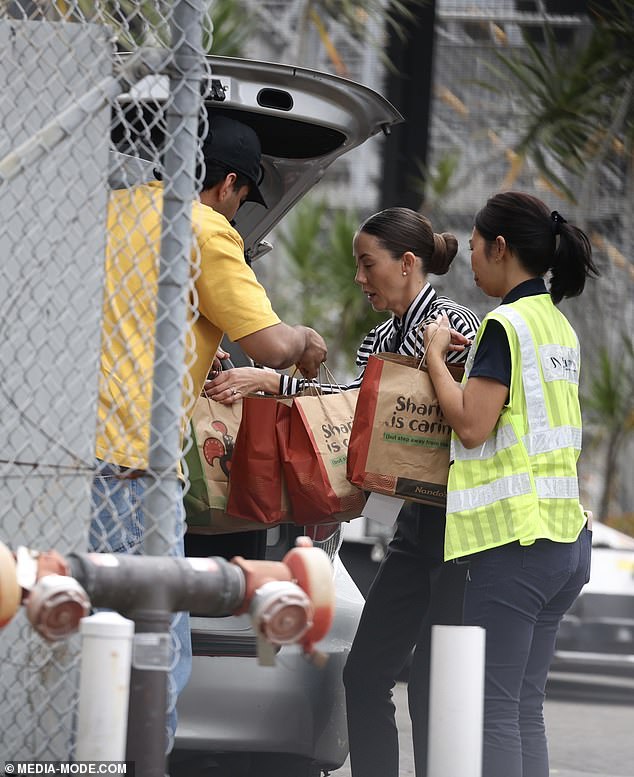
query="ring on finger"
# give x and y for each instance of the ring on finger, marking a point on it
(233, 391)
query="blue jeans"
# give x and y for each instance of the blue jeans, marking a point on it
(117, 526)
(519, 594)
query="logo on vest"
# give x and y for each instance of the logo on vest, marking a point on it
(559, 363)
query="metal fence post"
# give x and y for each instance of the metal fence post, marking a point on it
(174, 274)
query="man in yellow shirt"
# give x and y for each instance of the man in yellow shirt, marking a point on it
(226, 298)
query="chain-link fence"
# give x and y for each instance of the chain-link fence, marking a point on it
(94, 283)
(478, 114)
(95, 332)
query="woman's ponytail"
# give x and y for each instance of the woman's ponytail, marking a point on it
(572, 262)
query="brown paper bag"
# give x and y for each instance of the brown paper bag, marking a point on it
(213, 430)
(314, 444)
(399, 444)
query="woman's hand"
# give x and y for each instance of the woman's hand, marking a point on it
(472, 411)
(231, 385)
(217, 362)
(439, 338)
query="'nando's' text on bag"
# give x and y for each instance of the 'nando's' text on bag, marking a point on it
(399, 444)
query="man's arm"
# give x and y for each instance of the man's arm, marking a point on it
(280, 346)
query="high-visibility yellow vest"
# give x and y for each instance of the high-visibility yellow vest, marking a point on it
(521, 484)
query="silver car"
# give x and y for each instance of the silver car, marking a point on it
(597, 633)
(237, 717)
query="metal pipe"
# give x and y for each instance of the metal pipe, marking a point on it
(104, 688)
(74, 115)
(501, 16)
(130, 584)
(147, 590)
(174, 276)
(147, 734)
(60, 128)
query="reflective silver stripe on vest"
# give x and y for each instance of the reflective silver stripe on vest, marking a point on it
(557, 488)
(481, 496)
(531, 378)
(505, 437)
(553, 440)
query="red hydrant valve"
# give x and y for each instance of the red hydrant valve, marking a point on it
(281, 612)
(55, 606)
(10, 591)
(312, 571)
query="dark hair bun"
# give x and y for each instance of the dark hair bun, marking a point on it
(445, 249)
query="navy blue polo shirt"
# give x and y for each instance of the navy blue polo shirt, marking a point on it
(493, 357)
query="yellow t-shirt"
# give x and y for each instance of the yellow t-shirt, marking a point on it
(226, 297)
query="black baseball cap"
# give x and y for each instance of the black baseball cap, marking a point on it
(235, 145)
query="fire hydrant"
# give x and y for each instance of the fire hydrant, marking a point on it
(289, 601)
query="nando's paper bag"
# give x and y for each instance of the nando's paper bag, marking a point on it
(399, 443)
(213, 429)
(314, 446)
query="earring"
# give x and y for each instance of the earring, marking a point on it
(404, 273)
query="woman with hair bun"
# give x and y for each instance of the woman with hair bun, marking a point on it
(395, 250)
(513, 511)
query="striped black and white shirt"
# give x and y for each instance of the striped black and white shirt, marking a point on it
(404, 336)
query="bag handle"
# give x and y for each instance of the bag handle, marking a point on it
(324, 375)
(330, 378)
(307, 385)
(422, 364)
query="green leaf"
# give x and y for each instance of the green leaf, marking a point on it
(569, 96)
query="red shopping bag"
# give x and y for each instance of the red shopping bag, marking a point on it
(257, 490)
(313, 435)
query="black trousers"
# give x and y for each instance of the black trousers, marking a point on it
(412, 590)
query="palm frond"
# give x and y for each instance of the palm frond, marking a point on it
(318, 243)
(356, 16)
(609, 399)
(226, 28)
(300, 238)
(568, 98)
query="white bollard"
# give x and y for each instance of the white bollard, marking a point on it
(104, 687)
(456, 701)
